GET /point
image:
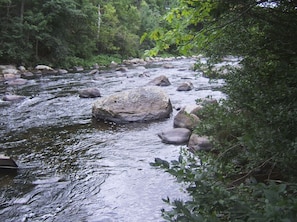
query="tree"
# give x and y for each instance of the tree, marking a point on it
(36, 31)
(253, 130)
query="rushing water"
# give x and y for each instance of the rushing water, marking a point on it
(72, 168)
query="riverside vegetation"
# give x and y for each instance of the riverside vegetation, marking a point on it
(250, 174)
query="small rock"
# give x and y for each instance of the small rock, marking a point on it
(113, 64)
(185, 120)
(160, 81)
(13, 98)
(96, 66)
(197, 111)
(206, 101)
(186, 86)
(17, 82)
(43, 68)
(167, 66)
(199, 143)
(10, 76)
(175, 136)
(122, 69)
(145, 74)
(7, 162)
(93, 72)
(78, 69)
(22, 68)
(10, 70)
(27, 74)
(89, 93)
(62, 71)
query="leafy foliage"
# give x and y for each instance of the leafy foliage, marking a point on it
(250, 175)
(215, 198)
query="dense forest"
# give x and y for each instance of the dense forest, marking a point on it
(71, 32)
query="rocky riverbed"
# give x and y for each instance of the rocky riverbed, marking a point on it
(75, 168)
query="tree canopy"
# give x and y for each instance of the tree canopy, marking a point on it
(62, 33)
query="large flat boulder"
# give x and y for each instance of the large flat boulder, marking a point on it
(135, 105)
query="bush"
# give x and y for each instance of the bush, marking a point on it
(250, 175)
(214, 196)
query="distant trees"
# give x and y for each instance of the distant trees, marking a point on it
(62, 32)
(45, 31)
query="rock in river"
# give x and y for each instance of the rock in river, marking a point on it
(135, 105)
(13, 98)
(175, 136)
(185, 120)
(198, 143)
(160, 81)
(89, 93)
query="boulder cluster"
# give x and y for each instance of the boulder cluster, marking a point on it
(150, 103)
(143, 104)
(182, 132)
(18, 76)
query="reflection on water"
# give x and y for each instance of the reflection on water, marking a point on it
(72, 168)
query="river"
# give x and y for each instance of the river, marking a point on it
(72, 168)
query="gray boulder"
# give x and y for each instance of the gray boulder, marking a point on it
(185, 120)
(199, 143)
(160, 81)
(178, 136)
(89, 93)
(135, 105)
(186, 86)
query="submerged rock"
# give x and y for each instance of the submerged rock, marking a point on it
(135, 105)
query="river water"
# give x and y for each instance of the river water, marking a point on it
(72, 168)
